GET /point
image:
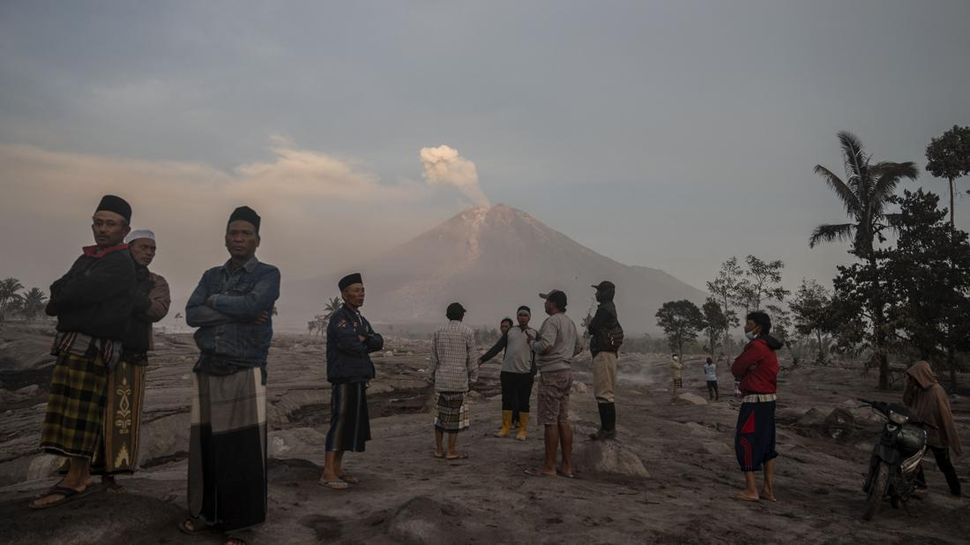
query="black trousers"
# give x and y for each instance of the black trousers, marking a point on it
(942, 455)
(516, 390)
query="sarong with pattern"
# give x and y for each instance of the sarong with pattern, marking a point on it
(118, 449)
(451, 412)
(75, 405)
(227, 450)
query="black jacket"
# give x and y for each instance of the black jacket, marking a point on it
(348, 358)
(138, 337)
(95, 296)
(603, 322)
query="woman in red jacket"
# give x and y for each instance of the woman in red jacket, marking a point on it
(754, 440)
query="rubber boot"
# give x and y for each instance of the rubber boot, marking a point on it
(598, 434)
(609, 423)
(506, 424)
(523, 426)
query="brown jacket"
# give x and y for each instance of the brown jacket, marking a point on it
(930, 404)
(160, 300)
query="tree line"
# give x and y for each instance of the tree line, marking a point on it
(16, 300)
(906, 291)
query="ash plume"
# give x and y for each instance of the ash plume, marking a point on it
(443, 165)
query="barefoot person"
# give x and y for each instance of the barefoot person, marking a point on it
(557, 344)
(517, 374)
(350, 340)
(754, 440)
(232, 306)
(454, 368)
(606, 336)
(92, 303)
(118, 447)
(930, 404)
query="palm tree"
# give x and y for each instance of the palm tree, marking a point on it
(333, 305)
(8, 292)
(34, 302)
(865, 193)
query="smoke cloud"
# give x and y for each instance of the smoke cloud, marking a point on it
(444, 166)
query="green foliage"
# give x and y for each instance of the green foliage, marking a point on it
(761, 284)
(681, 322)
(715, 323)
(9, 295)
(724, 288)
(813, 315)
(949, 155)
(34, 302)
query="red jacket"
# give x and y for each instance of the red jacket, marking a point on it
(757, 366)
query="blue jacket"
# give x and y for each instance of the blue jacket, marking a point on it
(225, 306)
(348, 358)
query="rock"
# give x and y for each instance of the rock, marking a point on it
(473, 395)
(423, 520)
(688, 398)
(610, 457)
(43, 466)
(388, 353)
(163, 438)
(580, 388)
(28, 391)
(839, 423)
(813, 418)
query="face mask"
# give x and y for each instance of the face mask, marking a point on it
(750, 335)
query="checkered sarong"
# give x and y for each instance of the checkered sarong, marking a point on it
(451, 412)
(75, 406)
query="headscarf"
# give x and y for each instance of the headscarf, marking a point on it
(929, 403)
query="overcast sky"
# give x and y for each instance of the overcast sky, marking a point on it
(667, 134)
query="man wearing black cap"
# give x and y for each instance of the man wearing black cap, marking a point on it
(92, 302)
(232, 306)
(606, 335)
(350, 340)
(454, 368)
(557, 344)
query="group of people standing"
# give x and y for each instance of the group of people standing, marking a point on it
(106, 303)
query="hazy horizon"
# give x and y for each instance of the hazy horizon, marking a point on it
(665, 135)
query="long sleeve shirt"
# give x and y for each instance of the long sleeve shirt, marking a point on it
(518, 354)
(454, 358)
(557, 344)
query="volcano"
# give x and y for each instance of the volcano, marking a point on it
(493, 259)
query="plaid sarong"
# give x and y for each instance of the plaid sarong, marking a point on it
(118, 451)
(227, 449)
(451, 412)
(75, 406)
(349, 420)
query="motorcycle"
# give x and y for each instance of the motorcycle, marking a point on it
(895, 458)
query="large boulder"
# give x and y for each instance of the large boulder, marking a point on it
(688, 398)
(422, 520)
(609, 457)
(166, 438)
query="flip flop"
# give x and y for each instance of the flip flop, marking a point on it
(349, 479)
(335, 485)
(67, 494)
(189, 527)
(538, 473)
(461, 456)
(566, 475)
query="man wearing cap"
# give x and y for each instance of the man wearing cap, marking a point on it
(557, 344)
(517, 374)
(606, 335)
(350, 340)
(118, 447)
(232, 308)
(454, 367)
(92, 303)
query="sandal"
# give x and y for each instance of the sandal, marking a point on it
(67, 494)
(349, 479)
(335, 485)
(461, 456)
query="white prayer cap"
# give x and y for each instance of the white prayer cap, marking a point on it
(139, 233)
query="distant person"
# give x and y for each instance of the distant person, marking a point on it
(350, 341)
(676, 375)
(710, 375)
(557, 344)
(232, 307)
(518, 373)
(606, 336)
(754, 442)
(92, 303)
(454, 368)
(118, 449)
(929, 403)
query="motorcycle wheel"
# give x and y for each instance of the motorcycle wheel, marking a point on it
(877, 490)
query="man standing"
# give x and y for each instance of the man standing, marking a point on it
(232, 306)
(118, 449)
(710, 375)
(557, 344)
(754, 440)
(517, 374)
(350, 340)
(676, 375)
(92, 303)
(606, 336)
(454, 367)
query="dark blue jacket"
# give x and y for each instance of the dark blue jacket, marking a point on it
(225, 306)
(348, 358)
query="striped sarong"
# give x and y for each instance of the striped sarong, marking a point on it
(227, 450)
(118, 449)
(75, 405)
(349, 420)
(451, 412)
